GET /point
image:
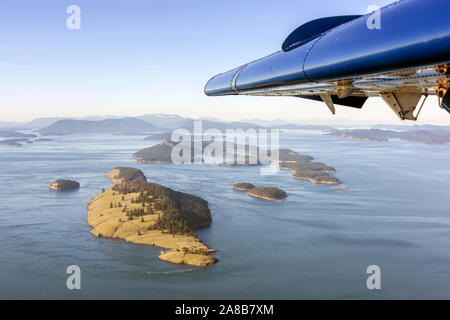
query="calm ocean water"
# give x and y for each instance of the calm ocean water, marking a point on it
(317, 244)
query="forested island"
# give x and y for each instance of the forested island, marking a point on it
(148, 213)
(301, 166)
(64, 185)
(160, 153)
(315, 172)
(243, 186)
(268, 193)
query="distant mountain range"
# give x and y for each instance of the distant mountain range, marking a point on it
(430, 136)
(114, 126)
(141, 125)
(165, 121)
(164, 124)
(171, 122)
(4, 125)
(40, 123)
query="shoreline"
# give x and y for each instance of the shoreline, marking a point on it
(240, 189)
(263, 197)
(112, 222)
(309, 179)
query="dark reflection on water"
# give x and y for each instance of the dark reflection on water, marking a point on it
(317, 244)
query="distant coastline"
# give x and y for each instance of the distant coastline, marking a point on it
(302, 166)
(430, 137)
(160, 127)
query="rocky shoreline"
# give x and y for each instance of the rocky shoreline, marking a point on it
(64, 185)
(268, 193)
(107, 215)
(319, 175)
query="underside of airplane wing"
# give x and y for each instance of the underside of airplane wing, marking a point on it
(344, 60)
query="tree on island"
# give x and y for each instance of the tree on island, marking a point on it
(182, 212)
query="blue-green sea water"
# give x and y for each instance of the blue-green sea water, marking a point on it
(317, 244)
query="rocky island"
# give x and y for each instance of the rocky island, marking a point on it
(302, 166)
(315, 172)
(150, 214)
(268, 193)
(64, 185)
(160, 153)
(243, 186)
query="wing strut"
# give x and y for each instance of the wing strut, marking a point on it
(403, 104)
(326, 97)
(420, 109)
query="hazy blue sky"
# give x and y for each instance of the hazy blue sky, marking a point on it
(143, 56)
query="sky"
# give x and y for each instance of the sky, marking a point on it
(137, 57)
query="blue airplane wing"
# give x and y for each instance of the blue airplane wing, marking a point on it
(346, 59)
